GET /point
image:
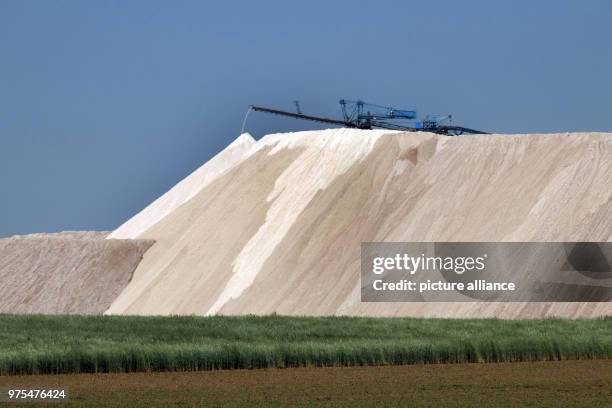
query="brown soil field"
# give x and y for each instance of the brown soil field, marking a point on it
(540, 384)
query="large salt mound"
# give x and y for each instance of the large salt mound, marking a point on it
(280, 230)
(69, 272)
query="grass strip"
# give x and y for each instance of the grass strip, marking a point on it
(37, 344)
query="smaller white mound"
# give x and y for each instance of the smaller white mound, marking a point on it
(186, 189)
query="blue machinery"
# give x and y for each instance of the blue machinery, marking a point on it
(361, 115)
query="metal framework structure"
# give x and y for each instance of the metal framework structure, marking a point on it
(361, 115)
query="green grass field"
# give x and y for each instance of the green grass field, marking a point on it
(77, 344)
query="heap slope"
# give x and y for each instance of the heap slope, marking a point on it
(280, 230)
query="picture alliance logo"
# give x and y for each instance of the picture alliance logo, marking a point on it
(413, 264)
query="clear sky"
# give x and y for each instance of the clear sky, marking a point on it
(105, 105)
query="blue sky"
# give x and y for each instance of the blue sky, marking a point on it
(106, 105)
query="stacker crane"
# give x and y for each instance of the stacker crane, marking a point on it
(362, 115)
